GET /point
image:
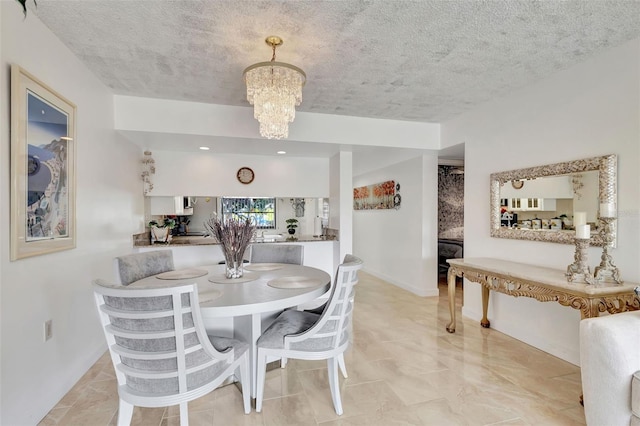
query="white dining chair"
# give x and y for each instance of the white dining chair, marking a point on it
(276, 253)
(160, 350)
(136, 266)
(303, 335)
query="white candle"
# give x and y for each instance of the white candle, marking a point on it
(579, 218)
(607, 210)
(317, 226)
(583, 232)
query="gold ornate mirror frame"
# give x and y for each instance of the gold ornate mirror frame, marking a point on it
(607, 188)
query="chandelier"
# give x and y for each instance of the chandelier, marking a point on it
(274, 89)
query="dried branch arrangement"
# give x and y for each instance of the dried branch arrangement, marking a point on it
(234, 234)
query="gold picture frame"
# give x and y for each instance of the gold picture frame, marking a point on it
(43, 168)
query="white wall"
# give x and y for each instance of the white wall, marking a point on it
(36, 374)
(400, 246)
(341, 201)
(205, 173)
(547, 187)
(193, 118)
(591, 109)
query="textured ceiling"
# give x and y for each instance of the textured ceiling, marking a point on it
(407, 60)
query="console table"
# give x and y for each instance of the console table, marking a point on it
(543, 284)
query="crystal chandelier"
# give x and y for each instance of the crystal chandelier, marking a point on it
(274, 89)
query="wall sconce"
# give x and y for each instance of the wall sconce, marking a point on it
(148, 169)
(298, 206)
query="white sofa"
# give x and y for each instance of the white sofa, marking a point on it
(610, 368)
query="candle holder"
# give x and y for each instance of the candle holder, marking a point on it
(579, 268)
(607, 268)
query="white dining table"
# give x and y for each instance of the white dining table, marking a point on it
(252, 301)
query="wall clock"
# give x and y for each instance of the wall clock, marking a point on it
(517, 184)
(245, 175)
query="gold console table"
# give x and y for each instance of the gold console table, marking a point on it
(543, 284)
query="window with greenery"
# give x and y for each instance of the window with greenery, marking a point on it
(261, 210)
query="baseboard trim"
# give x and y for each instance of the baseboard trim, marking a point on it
(405, 286)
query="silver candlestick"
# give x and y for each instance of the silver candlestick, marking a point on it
(579, 268)
(607, 267)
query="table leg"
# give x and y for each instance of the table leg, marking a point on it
(451, 287)
(484, 322)
(591, 310)
(249, 329)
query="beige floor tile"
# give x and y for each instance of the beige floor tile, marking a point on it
(203, 403)
(228, 409)
(439, 412)
(318, 393)
(98, 396)
(197, 418)
(281, 382)
(83, 416)
(143, 416)
(294, 410)
(384, 418)
(372, 397)
(54, 416)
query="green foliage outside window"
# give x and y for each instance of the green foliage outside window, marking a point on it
(262, 211)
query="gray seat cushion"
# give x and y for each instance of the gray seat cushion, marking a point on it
(223, 343)
(288, 322)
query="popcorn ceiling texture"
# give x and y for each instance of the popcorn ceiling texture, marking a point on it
(407, 60)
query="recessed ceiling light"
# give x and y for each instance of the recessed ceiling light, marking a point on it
(205, 148)
(281, 152)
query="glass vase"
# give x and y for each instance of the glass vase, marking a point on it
(234, 263)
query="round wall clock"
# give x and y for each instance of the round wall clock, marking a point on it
(245, 175)
(517, 184)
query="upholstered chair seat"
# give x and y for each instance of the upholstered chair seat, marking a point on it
(288, 322)
(304, 335)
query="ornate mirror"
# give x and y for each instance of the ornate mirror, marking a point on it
(538, 203)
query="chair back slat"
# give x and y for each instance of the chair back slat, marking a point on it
(156, 339)
(332, 328)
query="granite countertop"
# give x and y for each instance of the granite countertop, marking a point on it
(143, 240)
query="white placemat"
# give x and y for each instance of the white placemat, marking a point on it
(182, 274)
(222, 279)
(295, 282)
(209, 295)
(263, 266)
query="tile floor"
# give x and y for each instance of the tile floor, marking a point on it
(404, 369)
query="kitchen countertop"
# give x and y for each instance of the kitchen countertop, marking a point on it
(143, 240)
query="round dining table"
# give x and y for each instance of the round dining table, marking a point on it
(252, 301)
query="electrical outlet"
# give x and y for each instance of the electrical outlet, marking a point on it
(48, 330)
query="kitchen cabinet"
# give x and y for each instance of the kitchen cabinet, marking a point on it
(169, 206)
(515, 203)
(532, 204)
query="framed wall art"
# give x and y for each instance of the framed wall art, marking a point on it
(384, 195)
(43, 185)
